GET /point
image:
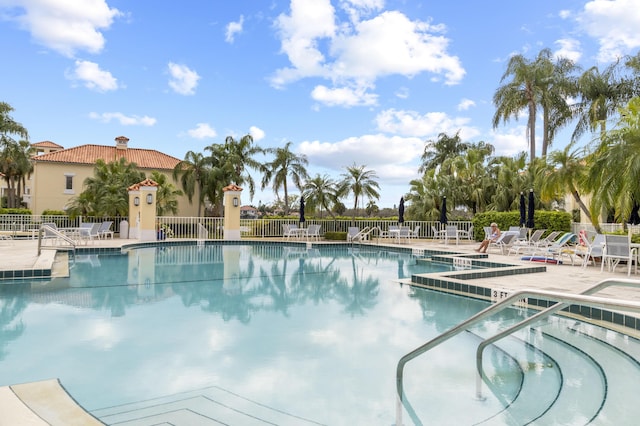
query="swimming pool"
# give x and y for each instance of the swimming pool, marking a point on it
(245, 334)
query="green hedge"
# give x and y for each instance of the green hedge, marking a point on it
(549, 220)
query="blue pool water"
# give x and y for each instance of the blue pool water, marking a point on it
(312, 336)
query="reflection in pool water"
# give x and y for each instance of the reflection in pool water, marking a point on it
(314, 333)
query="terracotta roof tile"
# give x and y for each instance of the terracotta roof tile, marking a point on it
(47, 144)
(232, 187)
(88, 154)
(146, 182)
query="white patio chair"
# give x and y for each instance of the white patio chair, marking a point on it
(289, 231)
(415, 233)
(392, 232)
(353, 233)
(451, 232)
(616, 249)
(437, 235)
(313, 231)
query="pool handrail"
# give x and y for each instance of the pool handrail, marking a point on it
(553, 296)
(57, 234)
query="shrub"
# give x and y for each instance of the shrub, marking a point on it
(335, 236)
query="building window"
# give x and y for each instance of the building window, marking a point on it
(68, 183)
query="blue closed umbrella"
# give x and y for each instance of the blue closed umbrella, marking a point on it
(302, 219)
(523, 210)
(401, 211)
(532, 209)
(443, 211)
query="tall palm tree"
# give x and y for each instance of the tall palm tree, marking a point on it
(321, 191)
(540, 83)
(8, 126)
(436, 152)
(359, 182)
(240, 154)
(601, 94)
(192, 173)
(285, 165)
(473, 177)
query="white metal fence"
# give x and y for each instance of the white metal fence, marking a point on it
(26, 226)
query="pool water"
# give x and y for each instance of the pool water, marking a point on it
(313, 335)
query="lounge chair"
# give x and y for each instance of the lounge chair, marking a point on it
(527, 245)
(617, 248)
(105, 229)
(415, 233)
(504, 242)
(594, 247)
(560, 247)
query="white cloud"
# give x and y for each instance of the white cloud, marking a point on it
(370, 150)
(233, 28)
(256, 133)
(202, 131)
(133, 120)
(511, 142)
(615, 24)
(65, 26)
(465, 104)
(183, 80)
(412, 123)
(92, 77)
(357, 8)
(343, 96)
(564, 14)
(569, 48)
(318, 46)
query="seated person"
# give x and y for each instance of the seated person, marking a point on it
(493, 236)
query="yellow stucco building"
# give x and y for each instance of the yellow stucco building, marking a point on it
(59, 174)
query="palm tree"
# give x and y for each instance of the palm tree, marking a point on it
(166, 197)
(566, 171)
(109, 186)
(508, 181)
(240, 155)
(321, 191)
(601, 94)
(473, 177)
(424, 198)
(285, 164)
(614, 168)
(192, 173)
(360, 183)
(436, 152)
(14, 156)
(536, 84)
(8, 126)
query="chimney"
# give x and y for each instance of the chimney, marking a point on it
(121, 142)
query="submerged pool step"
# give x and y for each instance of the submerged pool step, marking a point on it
(618, 358)
(213, 405)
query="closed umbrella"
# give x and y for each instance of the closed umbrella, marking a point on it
(401, 211)
(634, 219)
(532, 209)
(443, 211)
(523, 210)
(301, 211)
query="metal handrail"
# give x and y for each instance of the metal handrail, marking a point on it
(553, 296)
(609, 282)
(57, 233)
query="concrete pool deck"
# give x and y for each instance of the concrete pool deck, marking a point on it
(47, 403)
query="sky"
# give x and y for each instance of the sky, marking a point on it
(348, 82)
